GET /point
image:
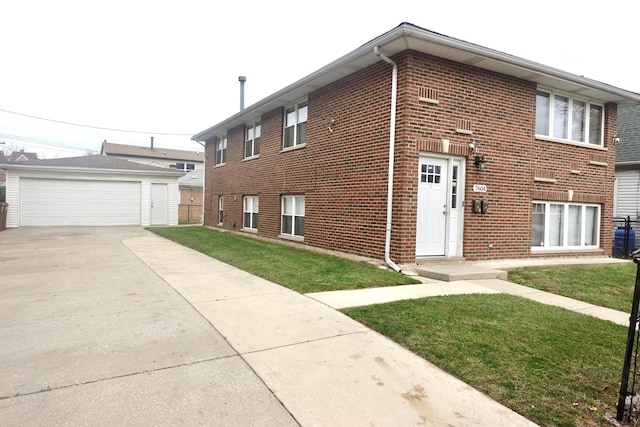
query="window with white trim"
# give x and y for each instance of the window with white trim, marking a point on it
(221, 150)
(250, 213)
(293, 216)
(185, 166)
(295, 125)
(220, 209)
(252, 140)
(563, 117)
(565, 226)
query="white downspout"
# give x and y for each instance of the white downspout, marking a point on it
(204, 178)
(392, 140)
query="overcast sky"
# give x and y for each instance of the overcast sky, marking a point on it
(158, 67)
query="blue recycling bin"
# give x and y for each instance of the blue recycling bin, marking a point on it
(619, 249)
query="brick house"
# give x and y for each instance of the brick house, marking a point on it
(482, 166)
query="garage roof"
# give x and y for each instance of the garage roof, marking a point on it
(407, 36)
(96, 163)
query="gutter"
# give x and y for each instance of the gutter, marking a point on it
(392, 141)
(43, 168)
(401, 38)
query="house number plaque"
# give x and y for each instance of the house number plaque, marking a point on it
(479, 188)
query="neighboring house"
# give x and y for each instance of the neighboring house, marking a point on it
(16, 156)
(191, 203)
(162, 157)
(492, 156)
(90, 191)
(627, 188)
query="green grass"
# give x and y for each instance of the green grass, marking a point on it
(555, 367)
(605, 285)
(298, 269)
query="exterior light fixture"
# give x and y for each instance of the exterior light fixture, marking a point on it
(616, 139)
(329, 121)
(480, 163)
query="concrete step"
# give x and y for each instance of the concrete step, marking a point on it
(454, 272)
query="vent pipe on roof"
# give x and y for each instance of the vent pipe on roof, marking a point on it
(151, 142)
(242, 79)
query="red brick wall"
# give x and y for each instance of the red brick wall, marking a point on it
(501, 111)
(190, 207)
(343, 172)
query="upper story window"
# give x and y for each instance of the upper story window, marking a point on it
(185, 166)
(563, 117)
(252, 140)
(221, 150)
(295, 125)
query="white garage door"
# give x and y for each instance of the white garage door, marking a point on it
(47, 202)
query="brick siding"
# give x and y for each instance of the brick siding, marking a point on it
(343, 172)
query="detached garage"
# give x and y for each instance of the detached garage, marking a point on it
(90, 191)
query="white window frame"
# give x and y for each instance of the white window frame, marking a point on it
(296, 211)
(568, 128)
(220, 209)
(221, 150)
(186, 167)
(565, 225)
(251, 136)
(250, 206)
(300, 114)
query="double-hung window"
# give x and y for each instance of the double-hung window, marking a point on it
(221, 150)
(220, 209)
(566, 118)
(295, 125)
(293, 216)
(565, 225)
(250, 213)
(252, 140)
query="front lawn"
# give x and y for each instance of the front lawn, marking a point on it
(605, 285)
(298, 269)
(554, 366)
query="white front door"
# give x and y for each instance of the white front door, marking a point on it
(159, 205)
(439, 216)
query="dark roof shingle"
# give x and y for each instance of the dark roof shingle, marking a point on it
(96, 161)
(111, 149)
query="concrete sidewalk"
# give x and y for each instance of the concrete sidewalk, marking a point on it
(325, 368)
(362, 297)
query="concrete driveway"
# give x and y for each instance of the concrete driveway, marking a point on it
(89, 335)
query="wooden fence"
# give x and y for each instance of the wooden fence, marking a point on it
(4, 207)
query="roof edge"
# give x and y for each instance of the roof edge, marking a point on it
(408, 30)
(47, 168)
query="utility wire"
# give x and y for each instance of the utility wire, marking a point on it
(6, 137)
(96, 127)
